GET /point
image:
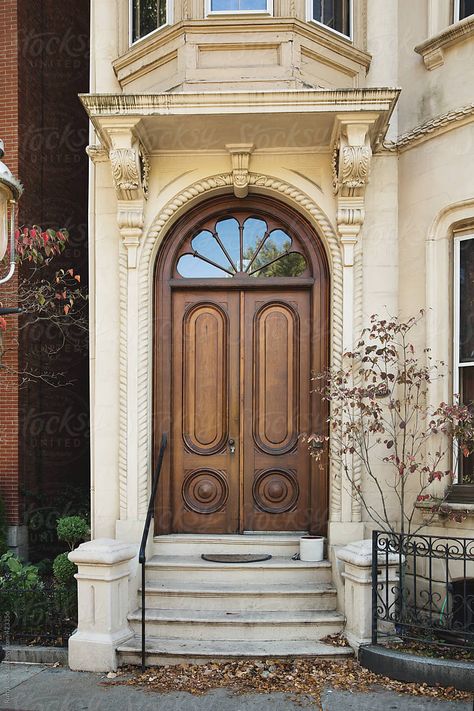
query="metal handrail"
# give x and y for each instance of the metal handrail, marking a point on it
(146, 530)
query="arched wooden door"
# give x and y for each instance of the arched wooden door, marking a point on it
(241, 322)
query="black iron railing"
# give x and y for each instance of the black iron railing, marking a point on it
(43, 613)
(146, 530)
(423, 589)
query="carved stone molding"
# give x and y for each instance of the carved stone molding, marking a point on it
(432, 127)
(352, 156)
(351, 159)
(240, 156)
(97, 153)
(130, 174)
(202, 189)
(125, 172)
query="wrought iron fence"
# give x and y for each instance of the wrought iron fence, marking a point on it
(43, 614)
(423, 590)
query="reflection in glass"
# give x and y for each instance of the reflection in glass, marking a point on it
(228, 231)
(193, 267)
(333, 13)
(467, 397)
(147, 15)
(466, 295)
(245, 248)
(290, 265)
(238, 5)
(254, 232)
(206, 245)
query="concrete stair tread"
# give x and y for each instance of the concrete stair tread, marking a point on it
(261, 617)
(182, 561)
(229, 539)
(250, 589)
(229, 649)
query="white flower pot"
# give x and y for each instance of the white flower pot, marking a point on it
(312, 548)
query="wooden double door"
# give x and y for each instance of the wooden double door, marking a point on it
(240, 398)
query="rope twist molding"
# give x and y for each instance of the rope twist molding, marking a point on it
(205, 188)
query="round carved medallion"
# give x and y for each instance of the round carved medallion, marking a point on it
(205, 491)
(275, 490)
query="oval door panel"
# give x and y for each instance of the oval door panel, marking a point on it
(205, 386)
(276, 372)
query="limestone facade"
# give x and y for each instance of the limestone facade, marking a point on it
(369, 137)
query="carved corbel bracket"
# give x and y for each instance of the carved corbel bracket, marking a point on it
(130, 171)
(97, 153)
(130, 174)
(352, 156)
(240, 156)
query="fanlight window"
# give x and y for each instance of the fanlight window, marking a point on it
(246, 248)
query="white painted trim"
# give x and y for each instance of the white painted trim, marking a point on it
(239, 13)
(310, 18)
(456, 10)
(168, 23)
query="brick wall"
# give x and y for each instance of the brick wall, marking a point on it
(9, 465)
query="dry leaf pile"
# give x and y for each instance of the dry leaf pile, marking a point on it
(300, 677)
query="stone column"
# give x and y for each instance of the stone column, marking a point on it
(102, 583)
(357, 575)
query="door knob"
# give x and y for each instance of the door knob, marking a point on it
(232, 446)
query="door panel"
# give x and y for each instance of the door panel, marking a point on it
(276, 409)
(205, 369)
(241, 373)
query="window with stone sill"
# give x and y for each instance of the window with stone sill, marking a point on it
(462, 9)
(464, 336)
(146, 16)
(335, 14)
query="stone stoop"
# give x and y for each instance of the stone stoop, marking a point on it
(197, 610)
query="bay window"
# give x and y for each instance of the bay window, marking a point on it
(146, 16)
(240, 6)
(335, 14)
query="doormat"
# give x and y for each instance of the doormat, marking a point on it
(236, 557)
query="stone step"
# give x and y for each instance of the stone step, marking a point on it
(305, 625)
(235, 598)
(173, 570)
(166, 650)
(281, 545)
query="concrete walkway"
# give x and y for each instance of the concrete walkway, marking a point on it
(35, 688)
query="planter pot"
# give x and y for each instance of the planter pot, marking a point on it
(312, 548)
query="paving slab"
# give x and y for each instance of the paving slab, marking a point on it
(38, 688)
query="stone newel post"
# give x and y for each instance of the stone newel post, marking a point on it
(102, 582)
(358, 588)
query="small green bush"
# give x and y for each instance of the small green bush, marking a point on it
(64, 570)
(14, 573)
(72, 530)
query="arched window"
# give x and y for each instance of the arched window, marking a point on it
(243, 245)
(147, 16)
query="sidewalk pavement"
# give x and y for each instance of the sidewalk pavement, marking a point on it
(31, 687)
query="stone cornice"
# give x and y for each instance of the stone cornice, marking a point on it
(432, 49)
(431, 128)
(217, 102)
(230, 26)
